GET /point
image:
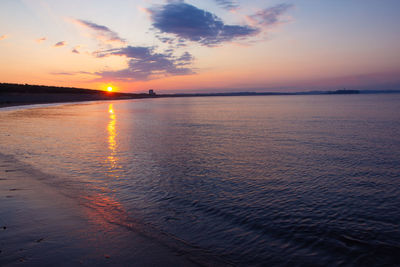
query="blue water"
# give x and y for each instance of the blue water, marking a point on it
(306, 180)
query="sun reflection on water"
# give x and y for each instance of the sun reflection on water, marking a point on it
(112, 134)
(104, 208)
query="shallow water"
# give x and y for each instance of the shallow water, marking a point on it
(248, 180)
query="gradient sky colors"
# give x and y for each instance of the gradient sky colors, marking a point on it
(199, 46)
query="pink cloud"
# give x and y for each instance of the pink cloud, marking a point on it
(40, 40)
(60, 44)
(269, 17)
(75, 50)
(102, 33)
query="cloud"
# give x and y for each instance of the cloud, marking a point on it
(102, 33)
(185, 59)
(2, 37)
(145, 64)
(71, 73)
(75, 50)
(190, 23)
(40, 40)
(63, 73)
(60, 44)
(227, 4)
(270, 16)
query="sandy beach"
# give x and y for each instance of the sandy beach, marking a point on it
(41, 226)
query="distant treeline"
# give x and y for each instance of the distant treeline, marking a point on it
(343, 92)
(23, 94)
(43, 89)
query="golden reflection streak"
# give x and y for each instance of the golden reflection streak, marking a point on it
(105, 211)
(112, 134)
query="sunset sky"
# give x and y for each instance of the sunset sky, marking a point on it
(202, 46)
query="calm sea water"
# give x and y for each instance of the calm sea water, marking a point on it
(247, 180)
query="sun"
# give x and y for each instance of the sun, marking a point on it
(109, 89)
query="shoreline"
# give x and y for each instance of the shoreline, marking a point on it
(9, 107)
(14, 100)
(39, 225)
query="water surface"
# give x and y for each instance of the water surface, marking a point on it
(248, 180)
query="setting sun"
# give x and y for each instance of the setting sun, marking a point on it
(109, 89)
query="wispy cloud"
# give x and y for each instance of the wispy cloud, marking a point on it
(3, 37)
(269, 17)
(41, 40)
(101, 33)
(190, 23)
(60, 44)
(145, 64)
(63, 73)
(227, 4)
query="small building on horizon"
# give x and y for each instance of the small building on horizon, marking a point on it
(151, 92)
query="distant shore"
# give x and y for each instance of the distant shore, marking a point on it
(25, 94)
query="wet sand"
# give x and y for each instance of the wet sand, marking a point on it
(41, 226)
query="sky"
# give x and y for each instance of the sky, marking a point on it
(187, 46)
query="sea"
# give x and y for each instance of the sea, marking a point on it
(242, 180)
